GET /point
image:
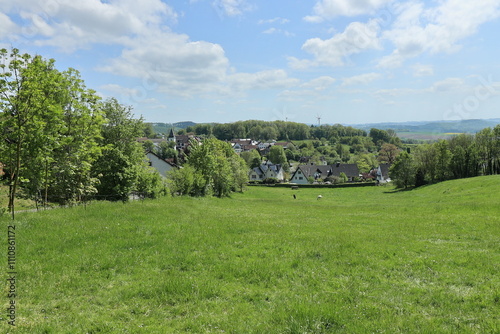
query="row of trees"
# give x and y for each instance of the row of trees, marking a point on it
(281, 130)
(60, 142)
(462, 156)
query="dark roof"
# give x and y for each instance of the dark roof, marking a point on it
(265, 166)
(385, 170)
(323, 171)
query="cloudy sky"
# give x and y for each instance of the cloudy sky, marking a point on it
(346, 61)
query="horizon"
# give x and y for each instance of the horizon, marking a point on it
(369, 62)
(495, 119)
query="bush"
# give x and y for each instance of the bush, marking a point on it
(270, 180)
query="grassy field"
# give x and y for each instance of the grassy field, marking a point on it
(360, 260)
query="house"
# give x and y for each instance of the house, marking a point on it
(155, 141)
(243, 145)
(181, 141)
(162, 166)
(321, 172)
(266, 170)
(383, 173)
(283, 144)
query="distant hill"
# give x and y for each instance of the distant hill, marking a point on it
(459, 126)
(165, 127)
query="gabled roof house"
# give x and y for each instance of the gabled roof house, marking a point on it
(265, 171)
(321, 172)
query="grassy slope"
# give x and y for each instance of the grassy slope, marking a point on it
(358, 260)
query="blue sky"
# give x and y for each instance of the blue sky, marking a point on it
(346, 61)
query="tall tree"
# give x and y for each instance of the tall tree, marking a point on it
(48, 120)
(388, 153)
(277, 156)
(78, 142)
(122, 161)
(403, 170)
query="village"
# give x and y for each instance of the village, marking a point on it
(304, 171)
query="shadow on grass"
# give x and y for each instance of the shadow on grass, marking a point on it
(399, 190)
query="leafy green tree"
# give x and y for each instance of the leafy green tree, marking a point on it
(49, 120)
(22, 100)
(426, 162)
(240, 172)
(148, 130)
(122, 160)
(488, 149)
(277, 156)
(79, 144)
(252, 158)
(166, 150)
(465, 160)
(443, 159)
(403, 170)
(388, 153)
(217, 168)
(148, 146)
(380, 137)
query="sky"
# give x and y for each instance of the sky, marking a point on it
(327, 61)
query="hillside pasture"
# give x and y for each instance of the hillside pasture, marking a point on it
(360, 260)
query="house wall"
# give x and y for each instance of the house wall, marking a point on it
(160, 165)
(299, 178)
(253, 176)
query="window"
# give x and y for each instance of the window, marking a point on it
(301, 178)
(254, 176)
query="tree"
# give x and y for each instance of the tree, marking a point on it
(380, 137)
(388, 153)
(240, 172)
(122, 161)
(252, 158)
(22, 100)
(277, 156)
(443, 159)
(166, 150)
(79, 143)
(216, 166)
(403, 170)
(148, 130)
(50, 120)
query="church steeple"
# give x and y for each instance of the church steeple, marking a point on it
(171, 135)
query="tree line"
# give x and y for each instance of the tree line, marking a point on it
(275, 130)
(462, 156)
(60, 142)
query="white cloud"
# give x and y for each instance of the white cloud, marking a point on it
(173, 63)
(272, 31)
(436, 30)
(361, 79)
(270, 79)
(319, 84)
(231, 7)
(6, 26)
(448, 85)
(356, 38)
(279, 20)
(420, 70)
(328, 9)
(70, 25)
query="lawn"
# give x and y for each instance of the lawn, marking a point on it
(359, 260)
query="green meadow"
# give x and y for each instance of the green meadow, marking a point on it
(359, 260)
